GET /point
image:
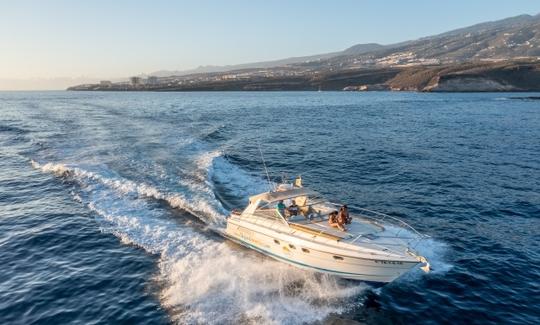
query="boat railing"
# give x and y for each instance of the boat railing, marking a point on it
(276, 221)
(378, 218)
(267, 215)
(382, 218)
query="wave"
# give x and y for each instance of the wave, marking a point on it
(215, 168)
(13, 129)
(206, 279)
(198, 208)
(435, 252)
(237, 181)
(220, 284)
(242, 184)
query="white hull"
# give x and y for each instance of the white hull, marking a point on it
(308, 254)
(367, 250)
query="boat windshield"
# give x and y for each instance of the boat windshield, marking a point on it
(312, 204)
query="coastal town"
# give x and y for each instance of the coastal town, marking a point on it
(494, 75)
(192, 80)
(496, 56)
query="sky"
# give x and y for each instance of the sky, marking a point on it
(46, 44)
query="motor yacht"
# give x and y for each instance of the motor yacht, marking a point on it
(373, 247)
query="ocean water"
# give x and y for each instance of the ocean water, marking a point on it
(108, 202)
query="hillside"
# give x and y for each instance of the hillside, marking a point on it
(473, 76)
(512, 38)
(509, 38)
(501, 55)
(353, 50)
(512, 75)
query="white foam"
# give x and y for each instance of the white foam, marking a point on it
(436, 253)
(433, 250)
(196, 206)
(206, 280)
(237, 181)
(219, 284)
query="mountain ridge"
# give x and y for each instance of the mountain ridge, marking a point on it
(502, 55)
(490, 33)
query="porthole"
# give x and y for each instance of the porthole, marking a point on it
(292, 246)
(276, 241)
(339, 258)
(305, 250)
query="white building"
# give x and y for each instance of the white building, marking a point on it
(152, 80)
(135, 81)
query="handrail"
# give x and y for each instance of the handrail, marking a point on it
(384, 216)
(389, 251)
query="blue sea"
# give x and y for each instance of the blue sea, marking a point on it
(109, 201)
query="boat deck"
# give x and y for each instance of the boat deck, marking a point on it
(361, 232)
(321, 226)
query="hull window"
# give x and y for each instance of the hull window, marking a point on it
(276, 241)
(339, 258)
(305, 250)
(292, 246)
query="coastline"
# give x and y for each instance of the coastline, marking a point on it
(479, 76)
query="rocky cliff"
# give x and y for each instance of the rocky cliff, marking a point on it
(473, 76)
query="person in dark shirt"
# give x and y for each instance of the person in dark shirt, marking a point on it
(293, 209)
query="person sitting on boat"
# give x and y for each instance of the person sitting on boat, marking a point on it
(293, 209)
(344, 215)
(281, 208)
(333, 221)
(308, 212)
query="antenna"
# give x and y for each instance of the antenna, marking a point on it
(265, 168)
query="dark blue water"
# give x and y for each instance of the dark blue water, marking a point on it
(108, 201)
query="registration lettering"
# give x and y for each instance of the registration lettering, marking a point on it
(387, 262)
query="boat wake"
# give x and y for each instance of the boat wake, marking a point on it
(205, 279)
(219, 283)
(241, 184)
(196, 205)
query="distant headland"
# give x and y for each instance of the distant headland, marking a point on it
(502, 55)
